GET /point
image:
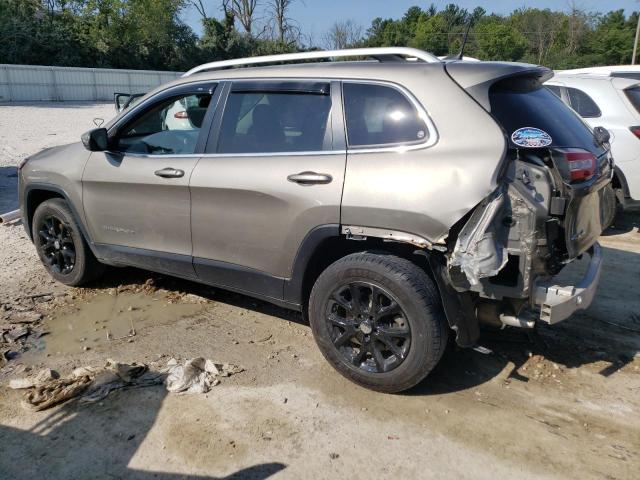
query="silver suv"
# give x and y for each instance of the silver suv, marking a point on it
(393, 201)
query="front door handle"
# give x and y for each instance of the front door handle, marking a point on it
(310, 178)
(170, 173)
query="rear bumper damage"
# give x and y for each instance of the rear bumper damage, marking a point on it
(558, 302)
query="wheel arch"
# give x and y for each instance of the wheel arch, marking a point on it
(324, 245)
(619, 184)
(36, 194)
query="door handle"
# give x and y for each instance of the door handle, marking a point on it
(170, 173)
(310, 178)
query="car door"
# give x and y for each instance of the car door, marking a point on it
(136, 195)
(273, 172)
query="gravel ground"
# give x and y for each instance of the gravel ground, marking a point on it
(563, 406)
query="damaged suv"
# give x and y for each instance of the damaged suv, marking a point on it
(393, 200)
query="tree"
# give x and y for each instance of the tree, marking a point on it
(285, 29)
(495, 40)
(342, 34)
(245, 12)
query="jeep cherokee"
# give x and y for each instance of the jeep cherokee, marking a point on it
(392, 200)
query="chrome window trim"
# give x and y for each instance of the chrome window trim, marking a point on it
(224, 155)
(431, 140)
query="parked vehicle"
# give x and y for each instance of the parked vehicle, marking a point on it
(392, 202)
(609, 97)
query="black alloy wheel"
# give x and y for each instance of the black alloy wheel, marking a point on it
(368, 326)
(57, 244)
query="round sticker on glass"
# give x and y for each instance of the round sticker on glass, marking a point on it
(530, 137)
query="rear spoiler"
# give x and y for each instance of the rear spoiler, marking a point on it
(477, 77)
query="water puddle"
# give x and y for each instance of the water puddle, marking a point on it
(106, 318)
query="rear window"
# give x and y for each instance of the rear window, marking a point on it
(633, 75)
(583, 103)
(633, 94)
(555, 90)
(524, 102)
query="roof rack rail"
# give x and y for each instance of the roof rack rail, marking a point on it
(380, 54)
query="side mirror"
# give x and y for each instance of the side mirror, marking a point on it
(121, 100)
(602, 135)
(96, 140)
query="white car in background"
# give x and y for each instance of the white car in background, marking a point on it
(609, 97)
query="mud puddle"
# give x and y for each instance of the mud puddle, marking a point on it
(107, 318)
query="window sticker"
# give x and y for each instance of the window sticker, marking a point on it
(530, 137)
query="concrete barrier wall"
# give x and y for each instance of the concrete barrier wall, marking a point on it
(28, 83)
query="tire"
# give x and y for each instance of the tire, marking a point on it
(610, 207)
(389, 279)
(61, 246)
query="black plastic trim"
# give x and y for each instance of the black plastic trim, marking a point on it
(458, 307)
(228, 275)
(161, 262)
(317, 87)
(293, 287)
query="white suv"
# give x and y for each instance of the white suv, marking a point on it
(609, 97)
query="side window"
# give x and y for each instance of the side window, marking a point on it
(170, 127)
(378, 115)
(275, 121)
(583, 104)
(555, 90)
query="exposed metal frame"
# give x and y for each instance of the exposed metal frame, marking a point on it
(380, 54)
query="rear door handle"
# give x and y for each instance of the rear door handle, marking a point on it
(170, 173)
(310, 178)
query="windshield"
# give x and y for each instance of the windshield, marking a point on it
(523, 102)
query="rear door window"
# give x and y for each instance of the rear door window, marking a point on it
(583, 103)
(276, 119)
(524, 102)
(379, 115)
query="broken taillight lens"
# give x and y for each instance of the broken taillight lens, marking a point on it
(181, 114)
(635, 131)
(581, 163)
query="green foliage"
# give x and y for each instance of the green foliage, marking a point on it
(149, 34)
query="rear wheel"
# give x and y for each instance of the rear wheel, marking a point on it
(610, 206)
(377, 319)
(61, 246)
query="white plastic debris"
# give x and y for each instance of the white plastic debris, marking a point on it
(197, 375)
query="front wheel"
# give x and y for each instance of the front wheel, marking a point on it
(377, 319)
(61, 246)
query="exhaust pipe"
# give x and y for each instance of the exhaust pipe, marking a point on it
(9, 217)
(493, 314)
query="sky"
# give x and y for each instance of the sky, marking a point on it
(316, 16)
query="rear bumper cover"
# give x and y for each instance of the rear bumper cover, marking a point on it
(558, 302)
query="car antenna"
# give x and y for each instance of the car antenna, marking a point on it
(464, 40)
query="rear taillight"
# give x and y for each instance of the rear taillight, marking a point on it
(181, 114)
(635, 131)
(581, 163)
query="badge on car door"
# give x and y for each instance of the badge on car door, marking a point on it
(531, 137)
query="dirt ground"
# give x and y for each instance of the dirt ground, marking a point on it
(563, 404)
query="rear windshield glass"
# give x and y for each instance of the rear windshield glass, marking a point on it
(520, 103)
(633, 94)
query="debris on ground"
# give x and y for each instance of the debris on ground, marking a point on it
(197, 375)
(91, 384)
